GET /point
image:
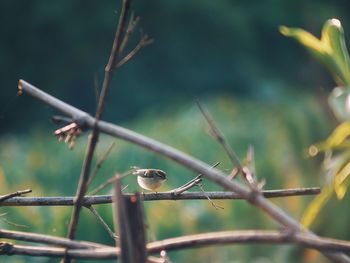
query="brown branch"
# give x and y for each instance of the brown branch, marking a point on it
(93, 138)
(106, 199)
(248, 236)
(130, 223)
(190, 241)
(190, 162)
(11, 195)
(133, 22)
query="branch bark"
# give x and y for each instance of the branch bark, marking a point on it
(183, 242)
(106, 199)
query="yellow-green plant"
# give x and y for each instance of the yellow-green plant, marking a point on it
(331, 51)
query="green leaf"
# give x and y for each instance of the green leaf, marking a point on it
(337, 172)
(314, 208)
(342, 181)
(339, 101)
(338, 136)
(333, 36)
(329, 50)
(337, 140)
(313, 44)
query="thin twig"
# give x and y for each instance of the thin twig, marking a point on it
(133, 22)
(182, 158)
(190, 184)
(47, 239)
(217, 207)
(11, 223)
(144, 41)
(11, 195)
(218, 135)
(100, 163)
(102, 222)
(110, 181)
(106, 199)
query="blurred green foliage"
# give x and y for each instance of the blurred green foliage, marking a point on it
(262, 89)
(200, 47)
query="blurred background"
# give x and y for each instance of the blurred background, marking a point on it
(262, 89)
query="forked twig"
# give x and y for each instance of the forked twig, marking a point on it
(14, 194)
(133, 22)
(195, 181)
(144, 41)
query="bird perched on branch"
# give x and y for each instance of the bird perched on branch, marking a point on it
(150, 179)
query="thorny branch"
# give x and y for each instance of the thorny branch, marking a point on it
(257, 199)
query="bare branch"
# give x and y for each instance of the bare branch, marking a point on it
(47, 239)
(248, 236)
(191, 241)
(144, 41)
(133, 22)
(93, 138)
(106, 199)
(192, 163)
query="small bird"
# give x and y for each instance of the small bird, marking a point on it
(150, 179)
